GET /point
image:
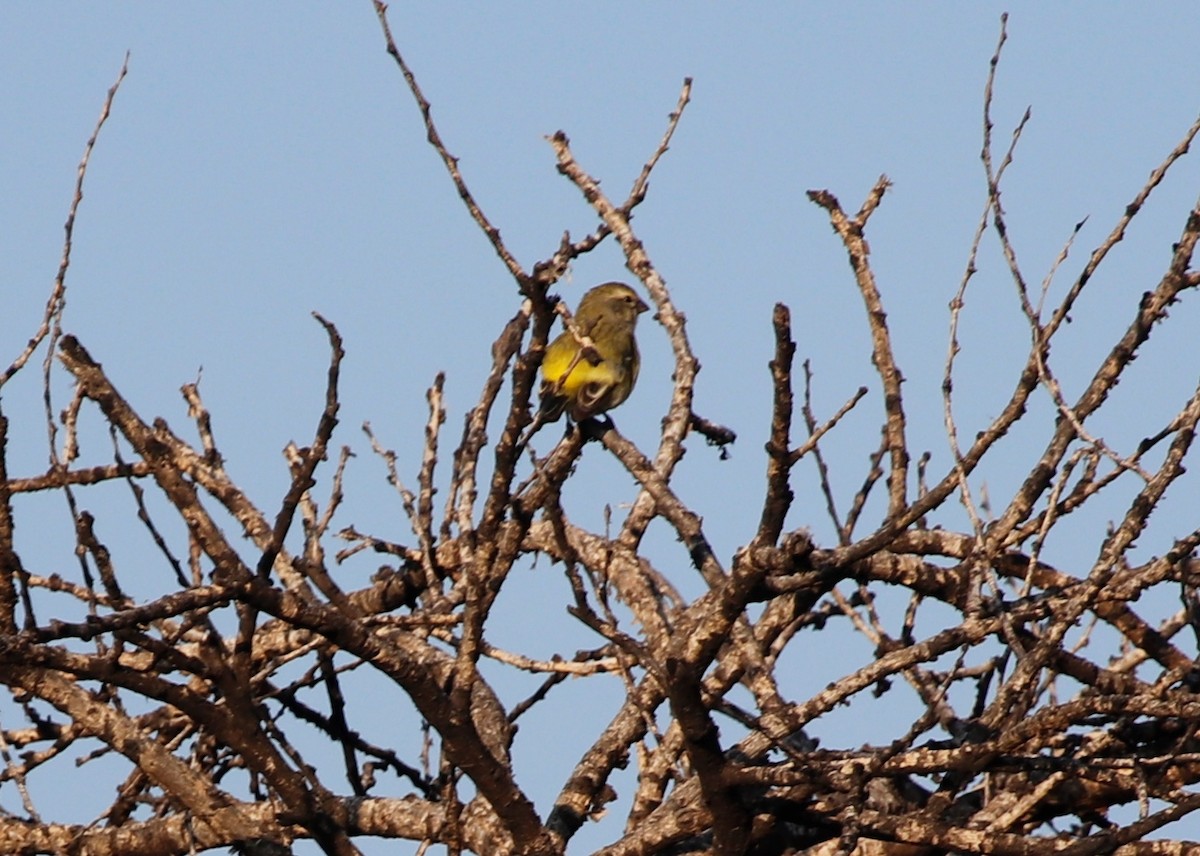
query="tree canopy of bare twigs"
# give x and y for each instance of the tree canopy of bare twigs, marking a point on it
(1045, 700)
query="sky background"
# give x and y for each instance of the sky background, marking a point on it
(266, 161)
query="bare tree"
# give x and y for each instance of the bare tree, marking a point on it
(222, 690)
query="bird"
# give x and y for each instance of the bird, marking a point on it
(581, 383)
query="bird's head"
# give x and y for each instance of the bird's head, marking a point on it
(615, 299)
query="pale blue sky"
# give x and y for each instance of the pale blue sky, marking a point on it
(264, 161)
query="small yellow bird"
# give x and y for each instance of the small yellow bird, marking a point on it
(587, 385)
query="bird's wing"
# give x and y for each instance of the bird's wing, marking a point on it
(594, 395)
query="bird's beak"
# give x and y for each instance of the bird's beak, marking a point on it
(642, 307)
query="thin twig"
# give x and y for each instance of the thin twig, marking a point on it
(449, 160)
(54, 305)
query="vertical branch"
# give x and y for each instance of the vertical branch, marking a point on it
(779, 493)
(10, 565)
(57, 303)
(882, 356)
(423, 521)
(958, 302)
(12, 573)
(460, 503)
(54, 305)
